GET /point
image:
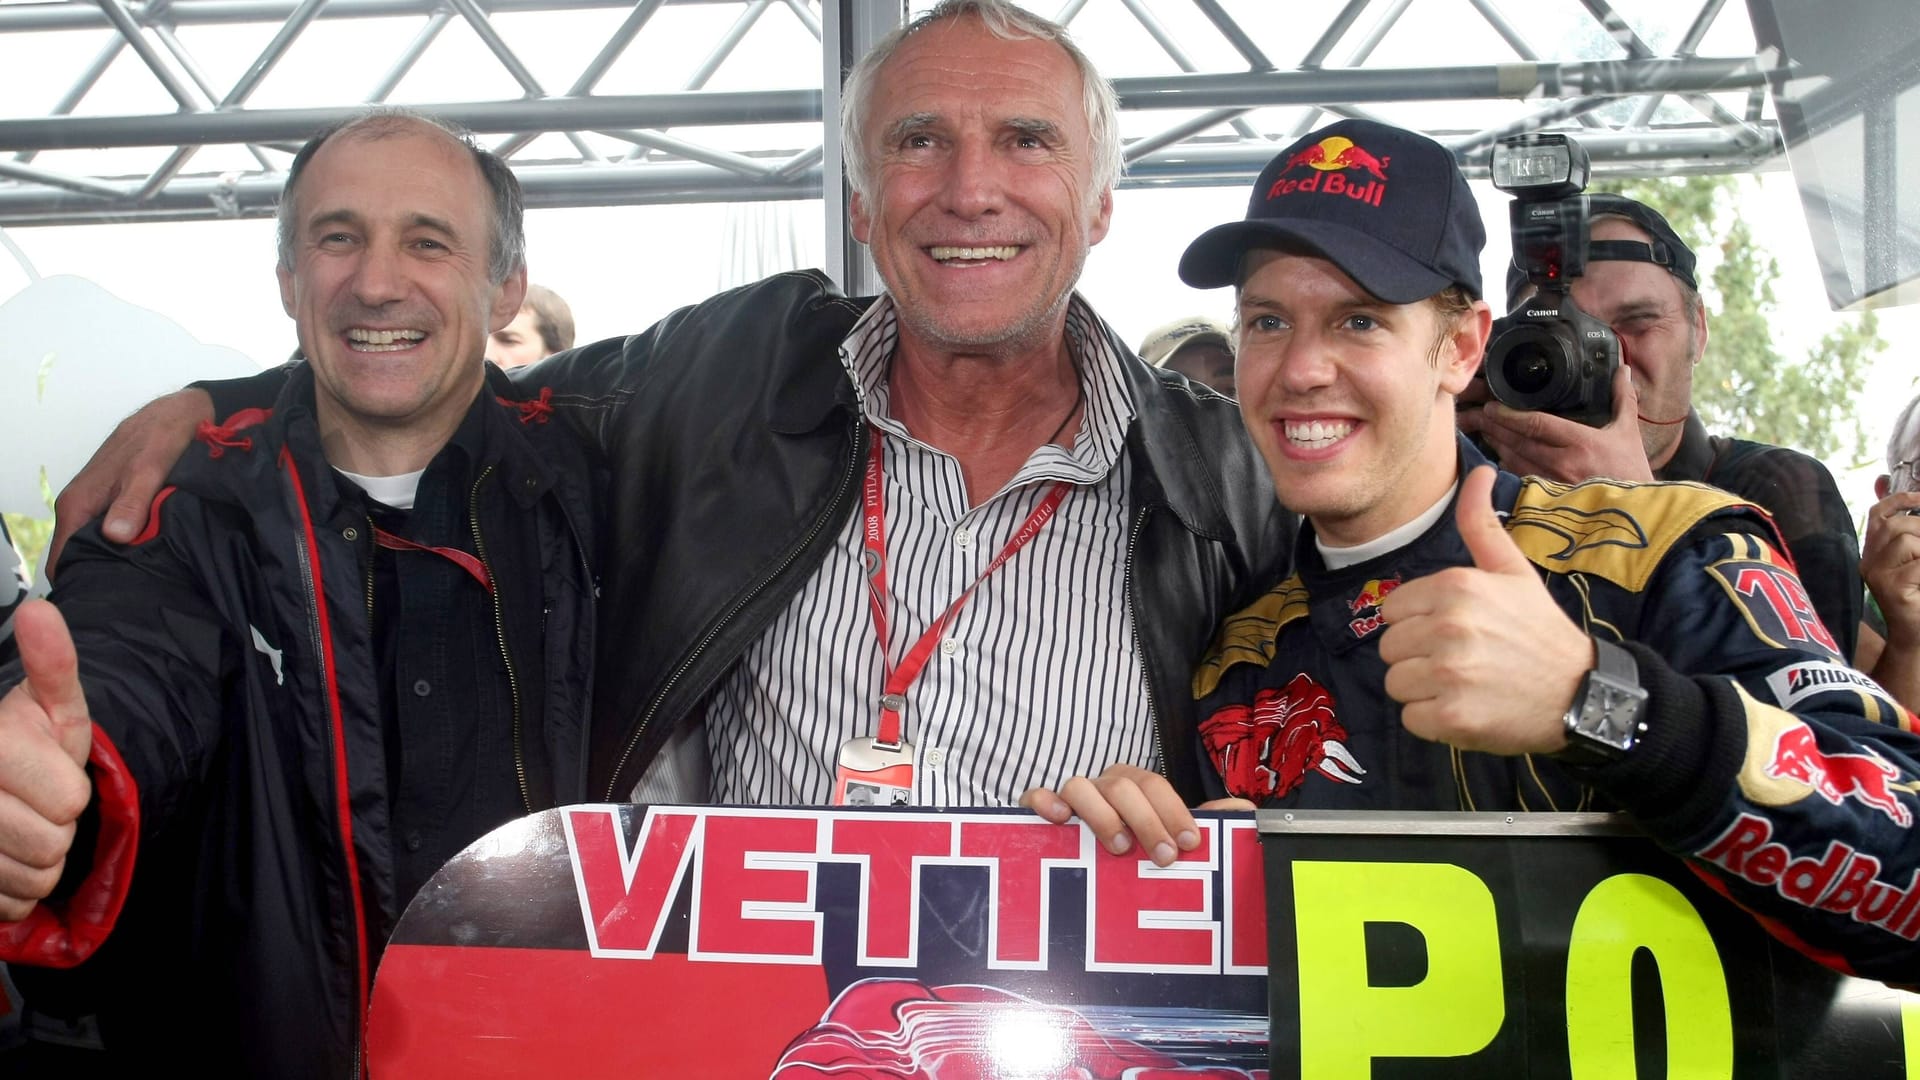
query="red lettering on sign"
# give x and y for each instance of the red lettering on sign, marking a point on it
(1018, 854)
(1145, 918)
(889, 881)
(753, 895)
(625, 895)
(1246, 899)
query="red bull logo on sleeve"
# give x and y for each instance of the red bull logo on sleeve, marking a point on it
(1331, 160)
(1835, 777)
(1364, 605)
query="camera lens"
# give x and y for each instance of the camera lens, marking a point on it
(1527, 365)
(1528, 368)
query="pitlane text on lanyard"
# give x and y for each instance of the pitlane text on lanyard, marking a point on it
(877, 770)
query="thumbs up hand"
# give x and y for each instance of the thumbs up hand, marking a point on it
(45, 736)
(1480, 657)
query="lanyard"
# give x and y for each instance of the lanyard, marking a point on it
(873, 537)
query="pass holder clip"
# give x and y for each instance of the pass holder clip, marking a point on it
(874, 773)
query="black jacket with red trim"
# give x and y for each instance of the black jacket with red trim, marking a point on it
(229, 666)
(1785, 776)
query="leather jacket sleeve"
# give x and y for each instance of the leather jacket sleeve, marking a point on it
(153, 662)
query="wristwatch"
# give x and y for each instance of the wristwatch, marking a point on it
(1608, 715)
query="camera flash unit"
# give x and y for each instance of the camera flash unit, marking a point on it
(1540, 166)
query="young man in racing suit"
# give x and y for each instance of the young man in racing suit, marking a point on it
(1455, 637)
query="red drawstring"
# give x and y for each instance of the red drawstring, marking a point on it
(220, 436)
(537, 411)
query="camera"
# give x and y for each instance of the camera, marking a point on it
(1550, 356)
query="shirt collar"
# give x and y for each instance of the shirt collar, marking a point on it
(868, 351)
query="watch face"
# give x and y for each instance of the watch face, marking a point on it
(1612, 713)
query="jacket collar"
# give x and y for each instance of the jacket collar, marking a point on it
(1174, 446)
(489, 434)
(1167, 439)
(816, 322)
(867, 355)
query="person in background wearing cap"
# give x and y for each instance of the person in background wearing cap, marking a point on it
(1199, 348)
(1640, 281)
(1456, 637)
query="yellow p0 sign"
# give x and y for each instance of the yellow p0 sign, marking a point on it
(1579, 950)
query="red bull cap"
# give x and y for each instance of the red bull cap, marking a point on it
(1386, 205)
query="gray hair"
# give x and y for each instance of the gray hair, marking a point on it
(507, 244)
(1904, 443)
(1003, 20)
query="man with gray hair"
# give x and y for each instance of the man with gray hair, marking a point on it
(949, 543)
(1890, 563)
(350, 638)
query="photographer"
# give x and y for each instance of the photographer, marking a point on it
(1639, 280)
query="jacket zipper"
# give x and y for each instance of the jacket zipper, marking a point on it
(319, 635)
(500, 634)
(1139, 647)
(846, 484)
(367, 571)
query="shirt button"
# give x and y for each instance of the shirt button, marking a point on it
(413, 841)
(949, 647)
(963, 538)
(421, 687)
(936, 757)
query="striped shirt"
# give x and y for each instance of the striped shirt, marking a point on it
(1039, 676)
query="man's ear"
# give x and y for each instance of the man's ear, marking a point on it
(1700, 347)
(857, 215)
(1882, 486)
(1465, 347)
(1102, 217)
(286, 288)
(508, 297)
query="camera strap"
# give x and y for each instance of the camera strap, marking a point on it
(1657, 253)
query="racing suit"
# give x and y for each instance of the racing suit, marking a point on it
(1806, 505)
(1762, 746)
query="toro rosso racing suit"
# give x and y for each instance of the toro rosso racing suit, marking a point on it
(1786, 776)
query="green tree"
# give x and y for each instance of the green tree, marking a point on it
(31, 534)
(1743, 386)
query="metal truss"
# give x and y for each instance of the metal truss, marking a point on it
(118, 111)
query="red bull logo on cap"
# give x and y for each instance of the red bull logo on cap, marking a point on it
(1833, 777)
(1330, 159)
(1364, 605)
